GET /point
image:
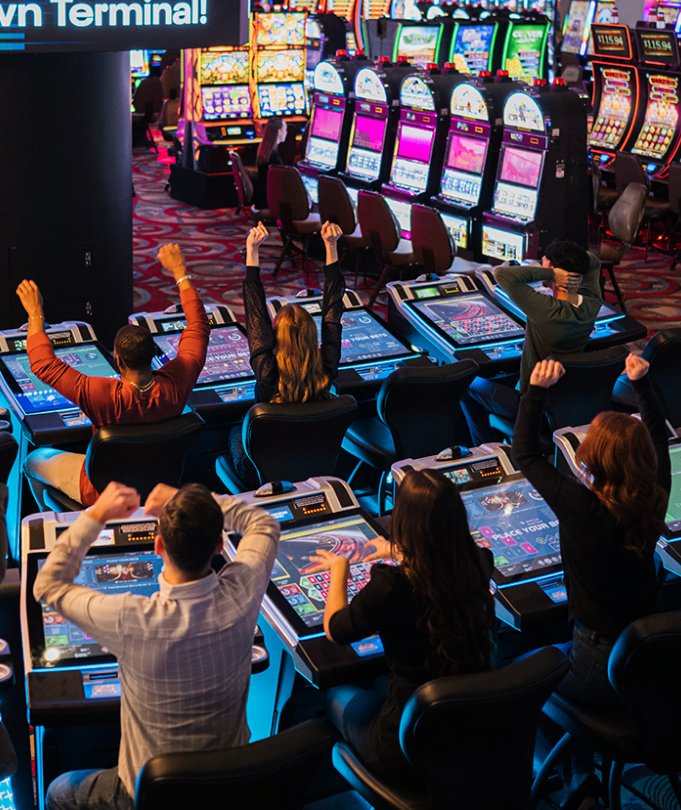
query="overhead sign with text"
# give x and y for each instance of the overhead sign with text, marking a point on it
(72, 25)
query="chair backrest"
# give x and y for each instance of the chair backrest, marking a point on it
(171, 79)
(142, 456)
(294, 442)
(596, 179)
(471, 737)
(287, 197)
(644, 663)
(335, 204)
(625, 216)
(243, 183)
(149, 95)
(377, 222)
(431, 242)
(663, 352)
(674, 187)
(420, 406)
(586, 388)
(629, 169)
(271, 774)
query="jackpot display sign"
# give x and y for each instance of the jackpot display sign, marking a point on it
(66, 25)
(615, 109)
(661, 117)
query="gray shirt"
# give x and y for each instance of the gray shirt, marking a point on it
(185, 652)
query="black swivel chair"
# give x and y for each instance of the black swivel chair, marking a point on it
(418, 411)
(470, 737)
(291, 442)
(645, 670)
(663, 352)
(584, 391)
(271, 774)
(138, 456)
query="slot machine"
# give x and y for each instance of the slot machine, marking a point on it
(278, 63)
(374, 125)
(139, 67)
(575, 27)
(541, 189)
(424, 43)
(226, 110)
(507, 515)
(471, 156)
(656, 133)
(314, 44)
(368, 10)
(333, 108)
(525, 49)
(616, 90)
(477, 45)
(600, 11)
(666, 13)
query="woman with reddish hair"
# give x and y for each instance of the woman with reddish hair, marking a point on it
(609, 526)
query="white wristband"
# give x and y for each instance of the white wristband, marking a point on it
(184, 278)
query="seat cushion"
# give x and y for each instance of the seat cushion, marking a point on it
(403, 255)
(310, 225)
(656, 208)
(355, 240)
(370, 440)
(609, 253)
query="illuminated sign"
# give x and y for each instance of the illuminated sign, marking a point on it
(67, 25)
(610, 40)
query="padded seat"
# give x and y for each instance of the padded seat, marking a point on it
(312, 224)
(434, 248)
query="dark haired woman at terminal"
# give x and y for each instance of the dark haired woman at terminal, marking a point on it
(434, 613)
(609, 526)
(287, 359)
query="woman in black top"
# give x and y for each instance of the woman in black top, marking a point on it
(268, 155)
(433, 611)
(609, 527)
(288, 362)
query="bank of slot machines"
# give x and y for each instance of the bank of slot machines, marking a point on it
(331, 117)
(542, 167)
(470, 158)
(278, 63)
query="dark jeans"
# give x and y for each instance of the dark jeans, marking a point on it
(242, 464)
(482, 398)
(89, 790)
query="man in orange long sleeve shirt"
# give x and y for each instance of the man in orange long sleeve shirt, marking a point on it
(141, 395)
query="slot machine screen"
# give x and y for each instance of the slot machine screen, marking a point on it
(412, 157)
(364, 338)
(661, 119)
(615, 108)
(418, 43)
(324, 141)
(224, 67)
(521, 166)
(280, 28)
(227, 358)
(517, 525)
(280, 66)
(472, 48)
(524, 52)
(364, 157)
(673, 516)
(458, 228)
(468, 319)
(658, 47)
(35, 396)
(516, 191)
(604, 13)
(327, 123)
(139, 64)
(504, 245)
(294, 588)
(281, 99)
(574, 27)
(464, 164)
(229, 102)
(57, 642)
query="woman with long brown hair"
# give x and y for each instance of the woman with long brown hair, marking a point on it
(289, 364)
(268, 155)
(434, 613)
(609, 526)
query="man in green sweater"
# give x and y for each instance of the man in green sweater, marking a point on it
(557, 324)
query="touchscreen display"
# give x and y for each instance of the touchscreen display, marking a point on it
(467, 154)
(364, 338)
(327, 123)
(469, 319)
(673, 517)
(514, 521)
(35, 396)
(472, 47)
(227, 357)
(521, 166)
(369, 133)
(413, 143)
(65, 643)
(306, 592)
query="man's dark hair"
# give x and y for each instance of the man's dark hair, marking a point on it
(135, 346)
(191, 527)
(567, 255)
